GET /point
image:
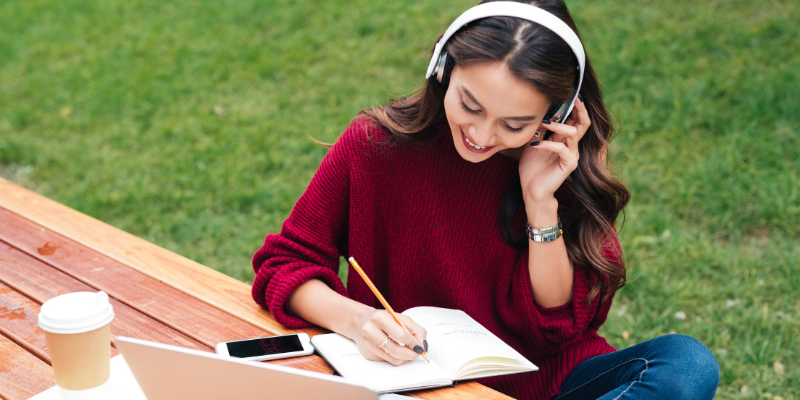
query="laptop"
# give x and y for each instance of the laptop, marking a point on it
(169, 373)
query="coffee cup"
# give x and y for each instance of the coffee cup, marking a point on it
(77, 327)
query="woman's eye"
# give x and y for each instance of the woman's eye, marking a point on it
(514, 129)
(469, 110)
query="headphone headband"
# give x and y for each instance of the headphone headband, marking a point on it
(517, 10)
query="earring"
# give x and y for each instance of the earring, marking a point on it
(538, 134)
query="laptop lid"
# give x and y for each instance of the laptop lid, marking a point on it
(169, 372)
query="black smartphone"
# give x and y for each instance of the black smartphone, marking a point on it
(267, 348)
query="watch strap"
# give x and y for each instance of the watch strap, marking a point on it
(544, 235)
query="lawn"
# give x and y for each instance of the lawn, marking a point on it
(187, 123)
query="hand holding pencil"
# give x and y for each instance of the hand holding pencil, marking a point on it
(396, 351)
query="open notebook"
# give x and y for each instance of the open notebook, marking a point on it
(459, 348)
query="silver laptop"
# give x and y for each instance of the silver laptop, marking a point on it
(170, 373)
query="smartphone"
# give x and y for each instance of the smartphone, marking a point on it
(267, 348)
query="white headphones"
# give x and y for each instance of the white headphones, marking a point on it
(518, 10)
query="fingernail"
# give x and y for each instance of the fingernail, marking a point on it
(580, 97)
(535, 143)
(418, 349)
(546, 121)
(425, 343)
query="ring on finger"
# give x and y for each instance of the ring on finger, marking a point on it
(393, 339)
(383, 345)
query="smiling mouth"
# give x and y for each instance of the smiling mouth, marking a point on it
(472, 146)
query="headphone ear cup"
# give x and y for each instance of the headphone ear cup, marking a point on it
(448, 69)
(552, 111)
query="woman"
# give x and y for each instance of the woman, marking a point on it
(439, 196)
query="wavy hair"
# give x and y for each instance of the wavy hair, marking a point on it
(538, 56)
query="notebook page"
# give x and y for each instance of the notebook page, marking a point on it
(343, 354)
(455, 339)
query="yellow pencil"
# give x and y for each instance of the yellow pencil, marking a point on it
(382, 300)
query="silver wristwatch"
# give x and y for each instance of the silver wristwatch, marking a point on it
(544, 235)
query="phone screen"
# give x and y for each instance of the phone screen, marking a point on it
(264, 346)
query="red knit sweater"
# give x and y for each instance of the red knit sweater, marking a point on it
(423, 223)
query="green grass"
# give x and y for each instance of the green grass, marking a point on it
(186, 123)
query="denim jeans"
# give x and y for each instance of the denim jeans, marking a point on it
(673, 367)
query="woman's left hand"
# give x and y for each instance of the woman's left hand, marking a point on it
(544, 167)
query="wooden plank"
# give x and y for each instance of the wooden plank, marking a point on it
(168, 305)
(212, 287)
(22, 375)
(19, 316)
(42, 282)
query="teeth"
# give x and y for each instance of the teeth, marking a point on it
(473, 144)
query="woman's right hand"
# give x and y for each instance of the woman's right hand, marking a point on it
(315, 302)
(375, 329)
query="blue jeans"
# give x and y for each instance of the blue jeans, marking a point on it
(673, 367)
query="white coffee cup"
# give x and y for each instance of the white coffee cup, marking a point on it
(78, 331)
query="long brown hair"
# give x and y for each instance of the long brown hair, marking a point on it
(538, 56)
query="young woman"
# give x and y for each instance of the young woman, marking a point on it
(438, 197)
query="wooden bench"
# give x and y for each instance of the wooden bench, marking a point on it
(48, 249)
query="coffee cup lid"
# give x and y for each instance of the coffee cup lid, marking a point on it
(76, 312)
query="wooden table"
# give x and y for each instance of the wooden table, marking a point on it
(48, 249)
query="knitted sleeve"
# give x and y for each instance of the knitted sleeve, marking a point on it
(308, 246)
(562, 324)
